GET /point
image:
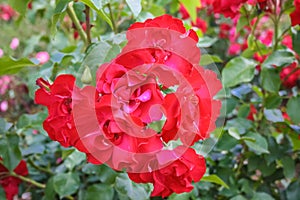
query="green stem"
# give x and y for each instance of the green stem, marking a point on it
(253, 28)
(88, 24)
(112, 18)
(28, 180)
(72, 14)
(38, 167)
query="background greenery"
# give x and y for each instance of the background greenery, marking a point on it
(253, 159)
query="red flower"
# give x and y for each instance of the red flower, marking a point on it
(174, 177)
(10, 184)
(252, 112)
(165, 21)
(227, 8)
(290, 75)
(201, 24)
(6, 12)
(58, 99)
(295, 15)
(184, 13)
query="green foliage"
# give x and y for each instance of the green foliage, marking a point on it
(253, 155)
(238, 70)
(12, 66)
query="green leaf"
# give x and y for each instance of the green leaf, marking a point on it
(49, 190)
(296, 42)
(234, 132)
(12, 155)
(293, 192)
(97, 6)
(11, 66)
(242, 22)
(207, 59)
(98, 54)
(214, 179)
(182, 196)
(279, 58)
(60, 8)
(2, 193)
(191, 7)
(96, 191)
(273, 101)
(19, 6)
(205, 42)
(293, 108)
(238, 70)
(74, 159)
(135, 6)
(238, 197)
(127, 189)
(259, 146)
(274, 115)
(288, 167)
(244, 111)
(262, 195)
(66, 184)
(270, 79)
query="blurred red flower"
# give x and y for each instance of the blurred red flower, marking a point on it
(10, 184)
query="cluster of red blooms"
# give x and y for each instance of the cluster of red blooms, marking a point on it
(6, 12)
(9, 183)
(113, 122)
(263, 33)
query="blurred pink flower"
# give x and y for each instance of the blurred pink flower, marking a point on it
(14, 43)
(42, 57)
(1, 52)
(3, 106)
(35, 131)
(4, 83)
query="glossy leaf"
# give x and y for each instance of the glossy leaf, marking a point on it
(214, 179)
(293, 108)
(11, 66)
(238, 70)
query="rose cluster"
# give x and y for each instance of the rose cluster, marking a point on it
(259, 27)
(151, 104)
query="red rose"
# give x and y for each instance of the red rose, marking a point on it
(290, 75)
(58, 99)
(104, 130)
(227, 8)
(165, 21)
(175, 177)
(10, 184)
(295, 15)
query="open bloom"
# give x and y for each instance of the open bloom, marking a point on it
(176, 176)
(58, 99)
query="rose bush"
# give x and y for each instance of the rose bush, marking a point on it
(122, 99)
